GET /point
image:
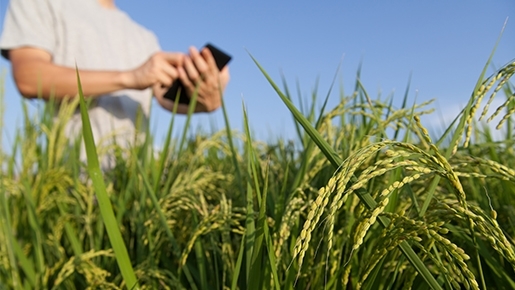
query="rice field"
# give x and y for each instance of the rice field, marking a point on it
(365, 198)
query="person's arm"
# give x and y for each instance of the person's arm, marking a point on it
(36, 76)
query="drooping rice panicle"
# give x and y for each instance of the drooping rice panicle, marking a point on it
(289, 217)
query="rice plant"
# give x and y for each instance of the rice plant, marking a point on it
(365, 198)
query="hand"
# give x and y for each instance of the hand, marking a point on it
(200, 74)
(160, 69)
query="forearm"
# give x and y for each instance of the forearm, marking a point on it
(44, 79)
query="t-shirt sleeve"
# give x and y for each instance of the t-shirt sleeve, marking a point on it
(28, 23)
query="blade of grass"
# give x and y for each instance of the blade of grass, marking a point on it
(106, 210)
(232, 148)
(166, 147)
(288, 95)
(403, 106)
(257, 268)
(201, 260)
(308, 144)
(266, 234)
(239, 263)
(375, 111)
(271, 256)
(250, 225)
(191, 110)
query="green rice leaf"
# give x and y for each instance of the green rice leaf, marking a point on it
(112, 228)
(250, 224)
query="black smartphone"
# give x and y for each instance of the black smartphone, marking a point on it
(221, 59)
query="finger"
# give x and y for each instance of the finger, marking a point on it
(164, 79)
(209, 58)
(168, 74)
(174, 58)
(200, 63)
(191, 70)
(185, 79)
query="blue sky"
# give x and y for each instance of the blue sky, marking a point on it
(442, 44)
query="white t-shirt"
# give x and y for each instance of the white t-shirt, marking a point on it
(84, 33)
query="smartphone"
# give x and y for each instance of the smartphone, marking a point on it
(221, 59)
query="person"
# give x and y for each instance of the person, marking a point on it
(120, 64)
